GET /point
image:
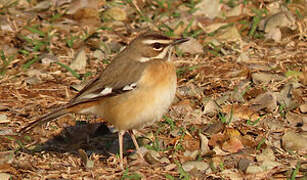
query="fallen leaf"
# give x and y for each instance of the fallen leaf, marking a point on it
(294, 142)
(6, 157)
(263, 77)
(254, 169)
(41, 6)
(239, 112)
(79, 62)
(235, 11)
(284, 97)
(210, 108)
(244, 57)
(204, 143)
(208, 8)
(197, 165)
(271, 25)
(243, 164)
(4, 119)
(152, 157)
(190, 155)
(269, 164)
(231, 174)
(115, 13)
(233, 145)
(86, 12)
(303, 108)
(5, 176)
(267, 159)
(267, 154)
(229, 34)
(212, 27)
(190, 143)
(192, 47)
(294, 120)
(217, 139)
(264, 101)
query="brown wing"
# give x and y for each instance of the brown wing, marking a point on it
(117, 75)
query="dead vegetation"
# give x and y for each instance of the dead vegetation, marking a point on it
(240, 108)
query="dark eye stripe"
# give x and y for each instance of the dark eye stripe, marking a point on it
(158, 45)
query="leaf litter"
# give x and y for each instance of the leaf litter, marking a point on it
(240, 107)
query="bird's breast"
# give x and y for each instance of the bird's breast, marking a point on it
(147, 103)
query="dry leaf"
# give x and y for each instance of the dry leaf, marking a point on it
(230, 34)
(192, 47)
(263, 77)
(4, 119)
(5, 176)
(208, 8)
(115, 13)
(303, 108)
(294, 142)
(204, 144)
(197, 165)
(264, 101)
(271, 25)
(233, 145)
(80, 61)
(239, 112)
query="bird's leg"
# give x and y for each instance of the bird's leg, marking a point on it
(120, 141)
(137, 147)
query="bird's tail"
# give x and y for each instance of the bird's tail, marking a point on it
(48, 117)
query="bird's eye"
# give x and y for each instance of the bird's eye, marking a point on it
(157, 46)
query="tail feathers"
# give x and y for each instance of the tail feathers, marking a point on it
(48, 117)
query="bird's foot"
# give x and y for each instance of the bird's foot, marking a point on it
(123, 163)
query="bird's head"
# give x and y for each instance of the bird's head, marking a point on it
(153, 45)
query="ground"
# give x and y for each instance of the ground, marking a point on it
(240, 106)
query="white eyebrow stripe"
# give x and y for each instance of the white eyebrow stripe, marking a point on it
(150, 41)
(159, 56)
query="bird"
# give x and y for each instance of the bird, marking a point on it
(132, 92)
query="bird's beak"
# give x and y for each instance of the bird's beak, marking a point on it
(179, 41)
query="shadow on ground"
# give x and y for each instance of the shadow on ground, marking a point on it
(92, 138)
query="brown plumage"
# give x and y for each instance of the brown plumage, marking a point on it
(133, 91)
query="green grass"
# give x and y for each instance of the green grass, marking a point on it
(70, 41)
(170, 177)
(28, 64)
(5, 62)
(260, 143)
(256, 20)
(223, 118)
(282, 110)
(74, 73)
(170, 122)
(182, 173)
(17, 141)
(130, 176)
(296, 170)
(35, 30)
(253, 123)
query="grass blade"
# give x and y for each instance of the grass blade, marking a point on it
(74, 73)
(29, 63)
(35, 30)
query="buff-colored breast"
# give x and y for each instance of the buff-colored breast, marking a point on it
(147, 103)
